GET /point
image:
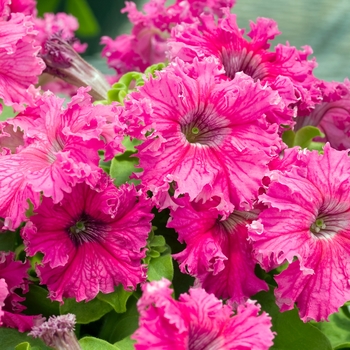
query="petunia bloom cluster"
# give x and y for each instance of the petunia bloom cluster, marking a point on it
(196, 162)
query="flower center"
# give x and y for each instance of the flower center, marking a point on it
(242, 61)
(238, 217)
(317, 226)
(204, 126)
(87, 229)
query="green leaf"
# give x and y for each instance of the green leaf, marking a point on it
(337, 329)
(7, 112)
(304, 136)
(37, 302)
(85, 312)
(292, 333)
(91, 343)
(119, 326)
(44, 6)
(126, 344)
(130, 144)
(23, 346)
(88, 25)
(161, 267)
(122, 166)
(10, 338)
(117, 299)
(288, 138)
(8, 241)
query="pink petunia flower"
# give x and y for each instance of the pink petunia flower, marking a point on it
(27, 7)
(209, 136)
(19, 64)
(332, 115)
(225, 41)
(61, 150)
(92, 241)
(147, 43)
(217, 251)
(308, 218)
(198, 321)
(13, 276)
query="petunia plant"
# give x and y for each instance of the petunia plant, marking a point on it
(199, 198)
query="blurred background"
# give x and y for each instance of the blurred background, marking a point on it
(322, 24)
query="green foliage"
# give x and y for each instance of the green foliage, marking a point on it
(161, 267)
(150, 71)
(127, 83)
(8, 241)
(159, 260)
(126, 344)
(292, 333)
(337, 329)
(86, 312)
(123, 165)
(7, 113)
(44, 6)
(117, 299)
(88, 25)
(11, 338)
(116, 327)
(37, 302)
(91, 343)
(303, 137)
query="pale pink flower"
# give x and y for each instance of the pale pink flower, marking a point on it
(225, 41)
(92, 241)
(19, 64)
(209, 136)
(217, 250)
(198, 320)
(61, 150)
(308, 218)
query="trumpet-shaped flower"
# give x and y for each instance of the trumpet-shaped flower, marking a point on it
(209, 136)
(217, 250)
(198, 320)
(92, 241)
(61, 150)
(225, 41)
(308, 218)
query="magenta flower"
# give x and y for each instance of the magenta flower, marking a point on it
(3, 294)
(198, 321)
(217, 251)
(308, 218)
(61, 150)
(225, 41)
(13, 276)
(92, 241)
(210, 136)
(19, 64)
